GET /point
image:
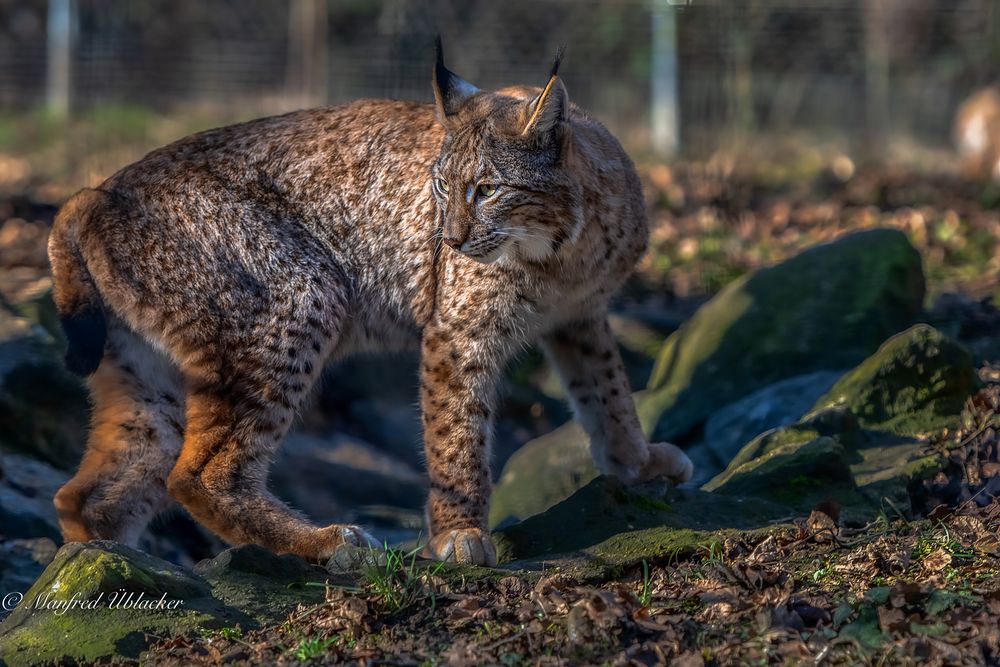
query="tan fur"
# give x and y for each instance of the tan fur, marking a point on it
(231, 265)
(977, 134)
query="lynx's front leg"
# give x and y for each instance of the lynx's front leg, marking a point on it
(586, 356)
(457, 388)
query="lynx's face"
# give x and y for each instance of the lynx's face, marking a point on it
(500, 180)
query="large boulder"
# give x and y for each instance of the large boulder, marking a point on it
(915, 384)
(863, 441)
(27, 487)
(824, 309)
(102, 600)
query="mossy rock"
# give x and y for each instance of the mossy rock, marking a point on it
(915, 384)
(38, 306)
(263, 585)
(862, 443)
(608, 524)
(99, 576)
(540, 474)
(824, 309)
(789, 473)
(827, 455)
(835, 422)
(124, 598)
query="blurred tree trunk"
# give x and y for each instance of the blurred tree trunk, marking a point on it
(877, 119)
(59, 54)
(306, 74)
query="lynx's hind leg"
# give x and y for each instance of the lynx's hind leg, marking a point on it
(242, 396)
(136, 432)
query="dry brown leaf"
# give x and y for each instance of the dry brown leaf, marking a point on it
(936, 561)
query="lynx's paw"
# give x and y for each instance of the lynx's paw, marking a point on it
(465, 545)
(666, 460)
(335, 536)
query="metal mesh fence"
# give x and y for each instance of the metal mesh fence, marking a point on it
(857, 68)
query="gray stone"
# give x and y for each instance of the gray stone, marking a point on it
(27, 487)
(21, 562)
(778, 404)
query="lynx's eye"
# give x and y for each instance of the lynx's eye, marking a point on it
(487, 190)
(441, 185)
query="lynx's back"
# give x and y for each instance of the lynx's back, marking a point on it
(353, 178)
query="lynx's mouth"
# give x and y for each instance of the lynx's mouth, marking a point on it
(485, 249)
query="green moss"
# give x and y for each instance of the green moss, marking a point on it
(788, 472)
(772, 440)
(593, 524)
(652, 544)
(264, 585)
(916, 383)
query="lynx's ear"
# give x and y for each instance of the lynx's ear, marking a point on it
(450, 90)
(545, 114)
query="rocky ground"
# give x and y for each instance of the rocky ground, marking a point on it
(838, 398)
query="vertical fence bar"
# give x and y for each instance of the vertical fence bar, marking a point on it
(877, 91)
(664, 112)
(306, 74)
(59, 55)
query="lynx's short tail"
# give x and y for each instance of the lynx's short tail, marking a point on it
(81, 309)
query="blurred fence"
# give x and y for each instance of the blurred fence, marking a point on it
(861, 69)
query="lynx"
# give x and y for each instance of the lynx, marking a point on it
(203, 288)
(977, 134)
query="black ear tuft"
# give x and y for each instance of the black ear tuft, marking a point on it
(450, 90)
(441, 72)
(555, 66)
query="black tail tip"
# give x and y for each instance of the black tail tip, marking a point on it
(85, 337)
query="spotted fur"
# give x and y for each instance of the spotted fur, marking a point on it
(225, 270)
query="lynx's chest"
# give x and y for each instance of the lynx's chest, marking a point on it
(587, 277)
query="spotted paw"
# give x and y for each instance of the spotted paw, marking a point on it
(335, 536)
(666, 460)
(464, 545)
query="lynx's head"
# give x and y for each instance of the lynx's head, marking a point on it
(502, 181)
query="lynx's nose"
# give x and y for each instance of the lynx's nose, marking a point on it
(456, 229)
